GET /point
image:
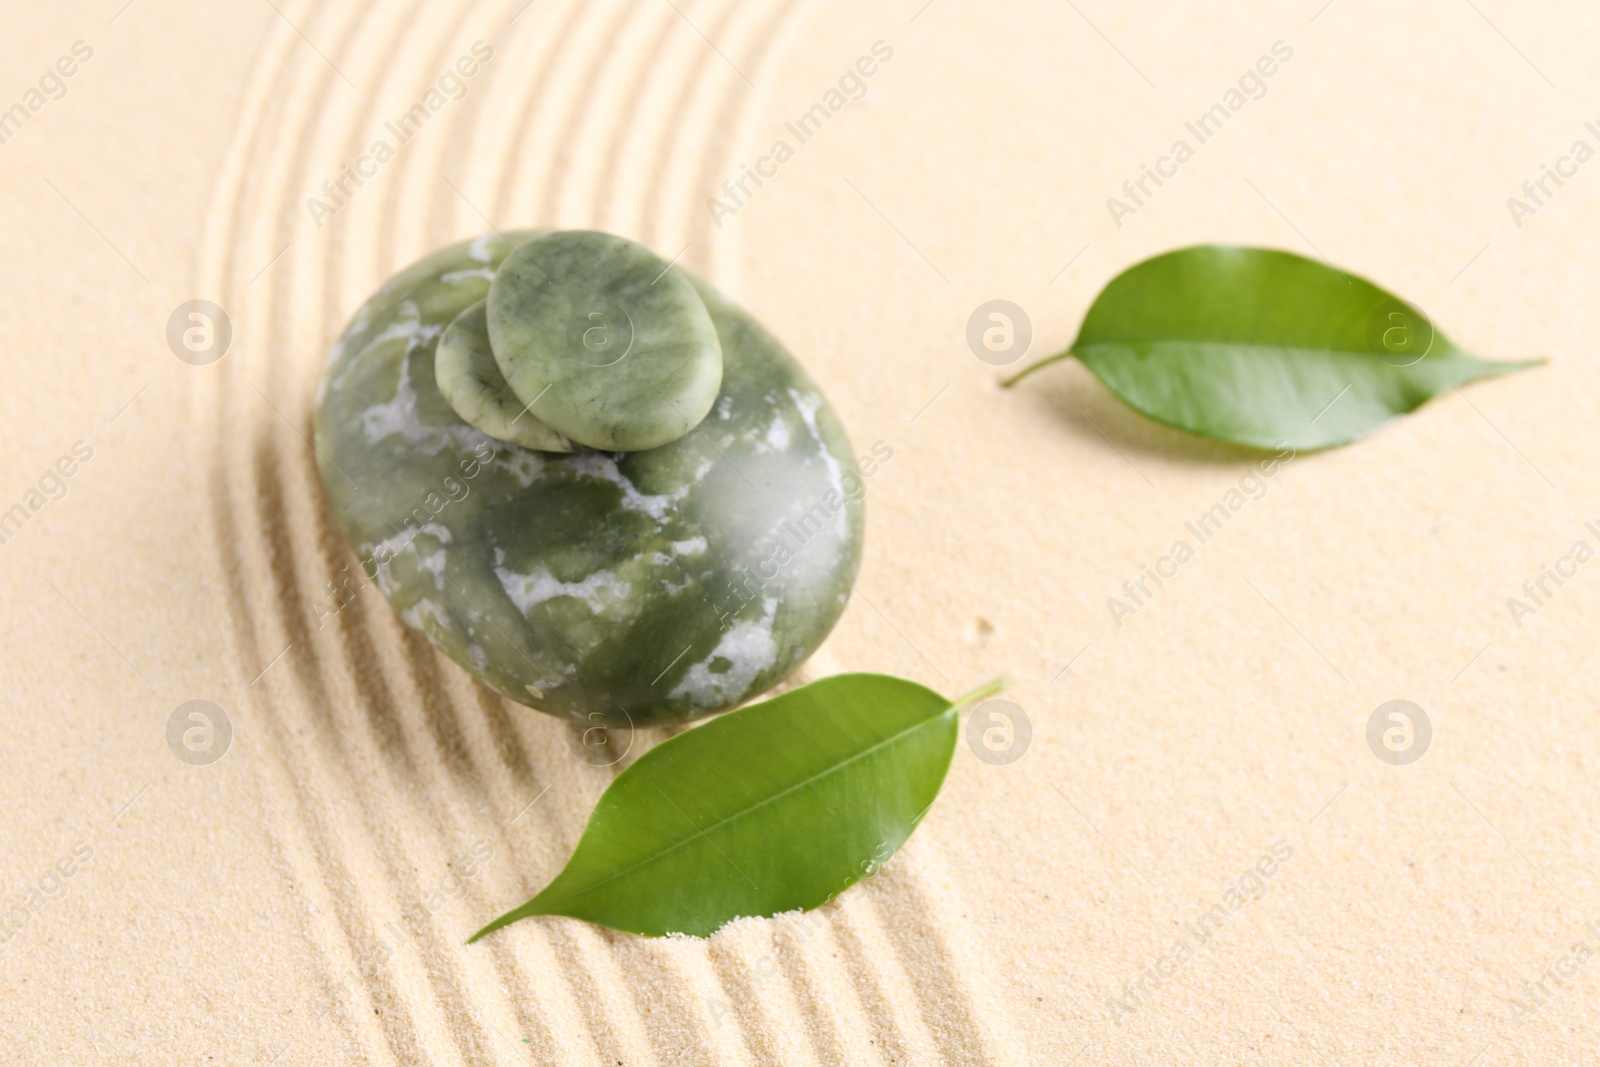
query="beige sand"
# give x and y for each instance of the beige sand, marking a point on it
(304, 899)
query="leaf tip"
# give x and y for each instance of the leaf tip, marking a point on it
(1495, 368)
(507, 919)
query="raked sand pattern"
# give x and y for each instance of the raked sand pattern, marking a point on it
(442, 760)
(1199, 855)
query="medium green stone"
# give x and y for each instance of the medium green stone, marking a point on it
(603, 340)
(470, 379)
(651, 586)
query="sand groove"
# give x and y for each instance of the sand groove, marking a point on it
(380, 763)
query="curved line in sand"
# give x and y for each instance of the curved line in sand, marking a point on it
(272, 462)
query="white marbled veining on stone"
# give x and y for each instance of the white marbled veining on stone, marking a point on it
(749, 648)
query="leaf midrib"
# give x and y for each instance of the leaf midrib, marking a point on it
(592, 886)
(1449, 352)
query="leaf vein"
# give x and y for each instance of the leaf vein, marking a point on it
(864, 753)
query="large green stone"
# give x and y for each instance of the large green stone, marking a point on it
(651, 586)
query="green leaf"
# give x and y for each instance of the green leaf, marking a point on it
(1265, 348)
(778, 806)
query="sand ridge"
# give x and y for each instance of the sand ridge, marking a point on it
(304, 898)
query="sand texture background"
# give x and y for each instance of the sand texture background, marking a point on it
(304, 899)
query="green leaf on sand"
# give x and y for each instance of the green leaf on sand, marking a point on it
(1265, 348)
(778, 806)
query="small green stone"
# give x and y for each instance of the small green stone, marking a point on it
(645, 587)
(471, 381)
(604, 340)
